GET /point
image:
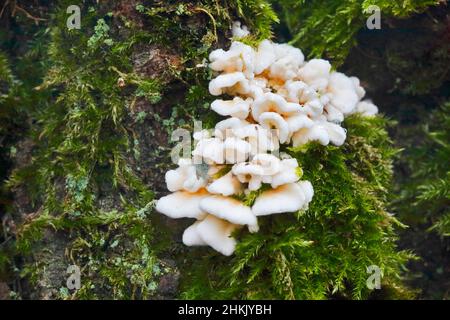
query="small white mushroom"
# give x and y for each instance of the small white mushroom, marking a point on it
(191, 236)
(182, 204)
(271, 102)
(316, 73)
(298, 121)
(238, 58)
(230, 209)
(260, 139)
(287, 62)
(287, 198)
(336, 133)
(223, 82)
(264, 56)
(201, 135)
(272, 120)
(184, 177)
(226, 185)
(333, 114)
(236, 150)
(225, 128)
(316, 133)
(209, 151)
(358, 89)
(216, 233)
(344, 93)
(237, 107)
(366, 108)
(239, 31)
(287, 173)
(268, 162)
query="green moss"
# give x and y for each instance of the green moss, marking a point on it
(428, 188)
(329, 28)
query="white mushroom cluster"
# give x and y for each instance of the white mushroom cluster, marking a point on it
(271, 96)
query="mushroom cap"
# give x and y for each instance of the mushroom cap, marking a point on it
(271, 102)
(184, 177)
(336, 133)
(238, 58)
(359, 90)
(191, 236)
(316, 73)
(201, 135)
(288, 60)
(344, 93)
(366, 108)
(236, 150)
(298, 121)
(237, 107)
(264, 56)
(216, 233)
(182, 204)
(229, 209)
(226, 185)
(239, 31)
(209, 151)
(287, 173)
(294, 90)
(287, 198)
(317, 133)
(260, 139)
(268, 162)
(221, 83)
(333, 114)
(226, 128)
(246, 169)
(270, 120)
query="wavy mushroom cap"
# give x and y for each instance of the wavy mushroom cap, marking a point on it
(229, 209)
(209, 151)
(264, 56)
(182, 204)
(185, 177)
(344, 97)
(239, 31)
(271, 102)
(237, 107)
(316, 73)
(287, 198)
(226, 185)
(293, 90)
(236, 150)
(260, 139)
(336, 133)
(232, 81)
(366, 108)
(191, 236)
(299, 121)
(226, 128)
(287, 173)
(268, 162)
(358, 88)
(216, 233)
(272, 120)
(316, 133)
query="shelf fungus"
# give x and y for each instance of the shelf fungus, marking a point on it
(276, 98)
